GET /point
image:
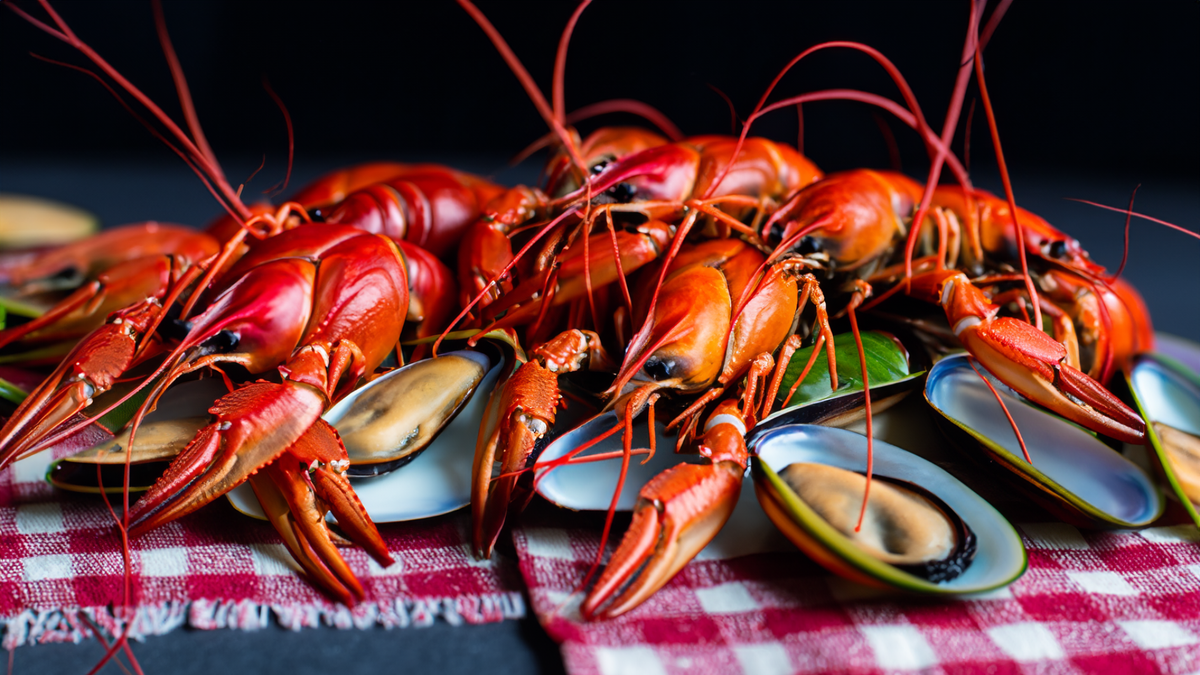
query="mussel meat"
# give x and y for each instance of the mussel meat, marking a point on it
(904, 525)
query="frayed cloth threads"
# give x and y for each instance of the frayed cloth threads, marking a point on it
(76, 624)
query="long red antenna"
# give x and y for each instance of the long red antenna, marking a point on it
(181, 86)
(526, 80)
(209, 167)
(560, 63)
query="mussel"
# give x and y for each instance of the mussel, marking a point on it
(923, 531)
(1073, 474)
(904, 525)
(388, 422)
(156, 444)
(429, 427)
(163, 434)
(1168, 396)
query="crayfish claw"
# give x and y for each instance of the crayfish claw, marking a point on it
(254, 425)
(297, 490)
(677, 514)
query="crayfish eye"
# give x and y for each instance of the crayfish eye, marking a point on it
(623, 193)
(659, 369)
(806, 245)
(317, 216)
(1058, 249)
(224, 341)
(599, 167)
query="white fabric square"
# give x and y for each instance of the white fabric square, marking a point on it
(39, 518)
(1172, 534)
(32, 469)
(377, 570)
(899, 647)
(42, 567)
(1026, 641)
(1104, 583)
(629, 661)
(548, 542)
(273, 559)
(726, 598)
(1054, 535)
(1157, 634)
(766, 659)
(165, 562)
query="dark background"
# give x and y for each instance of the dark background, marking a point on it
(1099, 86)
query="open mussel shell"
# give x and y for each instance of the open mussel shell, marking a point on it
(166, 431)
(1168, 396)
(1074, 475)
(390, 421)
(156, 444)
(435, 482)
(589, 486)
(998, 559)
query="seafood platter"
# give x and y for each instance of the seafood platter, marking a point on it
(689, 329)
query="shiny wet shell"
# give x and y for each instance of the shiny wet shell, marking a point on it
(393, 420)
(1183, 451)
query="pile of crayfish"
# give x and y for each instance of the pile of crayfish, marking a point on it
(681, 272)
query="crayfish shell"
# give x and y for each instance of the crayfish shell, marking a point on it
(1073, 474)
(1167, 395)
(924, 532)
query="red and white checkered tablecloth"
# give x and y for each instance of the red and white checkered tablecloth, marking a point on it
(61, 571)
(1091, 602)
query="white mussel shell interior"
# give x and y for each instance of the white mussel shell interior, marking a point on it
(437, 481)
(1064, 453)
(1000, 556)
(1166, 396)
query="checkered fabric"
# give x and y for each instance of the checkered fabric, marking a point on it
(61, 571)
(1115, 602)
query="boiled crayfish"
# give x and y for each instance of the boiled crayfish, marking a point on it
(716, 313)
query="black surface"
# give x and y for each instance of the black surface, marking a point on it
(440, 649)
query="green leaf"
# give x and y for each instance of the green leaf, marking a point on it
(3, 317)
(11, 392)
(886, 362)
(21, 308)
(120, 416)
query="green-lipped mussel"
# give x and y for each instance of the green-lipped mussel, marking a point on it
(904, 525)
(924, 531)
(1073, 474)
(1167, 394)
